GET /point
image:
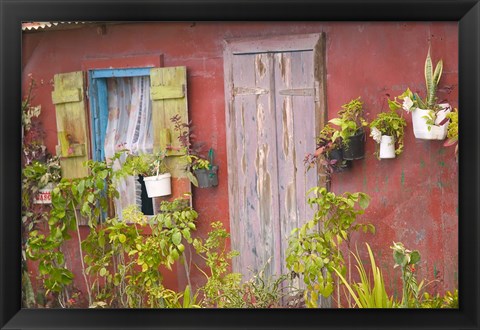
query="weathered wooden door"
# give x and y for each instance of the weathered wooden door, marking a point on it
(275, 108)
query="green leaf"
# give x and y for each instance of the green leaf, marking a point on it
(103, 271)
(336, 121)
(90, 198)
(122, 238)
(103, 174)
(364, 201)
(85, 208)
(176, 238)
(414, 257)
(192, 178)
(101, 241)
(100, 184)
(81, 187)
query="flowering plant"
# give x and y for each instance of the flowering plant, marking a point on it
(390, 124)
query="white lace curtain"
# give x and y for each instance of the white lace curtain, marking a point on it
(129, 127)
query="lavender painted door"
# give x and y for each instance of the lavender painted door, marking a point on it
(275, 107)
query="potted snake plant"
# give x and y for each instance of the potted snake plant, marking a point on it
(429, 118)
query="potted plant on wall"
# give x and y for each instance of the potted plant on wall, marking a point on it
(328, 152)
(352, 133)
(205, 171)
(154, 170)
(429, 118)
(199, 170)
(387, 130)
(39, 179)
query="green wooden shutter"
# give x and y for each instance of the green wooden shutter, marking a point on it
(68, 98)
(168, 92)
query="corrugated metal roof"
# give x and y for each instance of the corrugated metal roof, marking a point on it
(29, 26)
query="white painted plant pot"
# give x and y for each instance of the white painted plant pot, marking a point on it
(44, 195)
(422, 130)
(387, 147)
(160, 185)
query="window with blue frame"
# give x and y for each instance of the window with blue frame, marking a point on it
(120, 110)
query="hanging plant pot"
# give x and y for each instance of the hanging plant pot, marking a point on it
(341, 164)
(207, 177)
(44, 195)
(158, 185)
(387, 147)
(424, 131)
(355, 148)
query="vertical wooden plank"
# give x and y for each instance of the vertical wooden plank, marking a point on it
(295, 138)
(71, 123)
(266, 167)
(243, 238)
(255, 231)
(286, 150)
(305, 131)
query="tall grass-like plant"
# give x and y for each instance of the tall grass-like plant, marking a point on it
(368, 293)
(431, 79)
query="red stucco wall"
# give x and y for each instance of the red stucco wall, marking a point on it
(414, 197)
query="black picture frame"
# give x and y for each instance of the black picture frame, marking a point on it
(13, 12)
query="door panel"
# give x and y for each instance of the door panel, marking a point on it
(295, 111)
(275, 105)
(257, 233)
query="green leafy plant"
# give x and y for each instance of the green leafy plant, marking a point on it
(407, 261)
(390, 124)
(224, 288)
(449, 300)
(315, 249)
(39, 174)
(83, 199)
(128, 261)
(145, 164)
(351, 120)
(221, 284)
(368, 293)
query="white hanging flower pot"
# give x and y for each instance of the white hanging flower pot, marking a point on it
(44, 195)
(424, 131)
(158, 185)
(387, 147)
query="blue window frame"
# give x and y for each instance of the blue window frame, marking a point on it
(98, 97)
